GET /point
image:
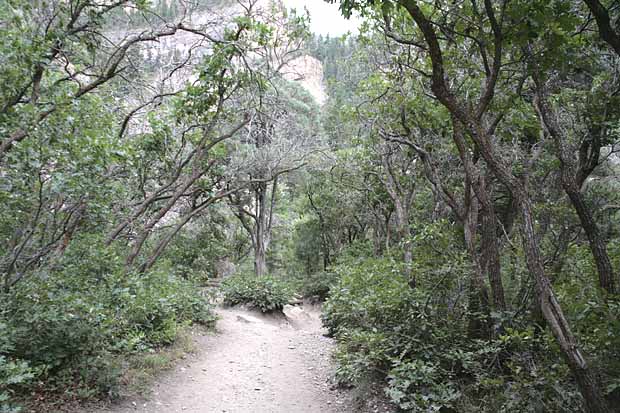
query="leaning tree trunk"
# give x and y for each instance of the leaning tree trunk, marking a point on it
(148, 227)
(571, 183)
(595, 240)
(549, 306)
(474, 125)
(165, 241)
(553, 314)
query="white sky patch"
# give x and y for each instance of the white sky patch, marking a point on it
(325, 18)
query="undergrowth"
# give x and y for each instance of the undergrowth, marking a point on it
(419, 346)
(266, 293)
(316, 286)
(65, 335)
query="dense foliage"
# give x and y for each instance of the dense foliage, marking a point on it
(420, 345)
(455, 201)
(482, 164)
(266, 293)
(117, 163)
(72, 328)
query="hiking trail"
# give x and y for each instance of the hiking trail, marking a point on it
(259, 363)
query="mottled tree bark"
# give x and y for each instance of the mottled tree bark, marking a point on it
(489, 245)
(595, 240)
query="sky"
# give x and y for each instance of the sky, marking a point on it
(325, 18)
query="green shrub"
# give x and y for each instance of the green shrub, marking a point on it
(382, 325)
(317, 285)
(12, 373)
(74, 326)
(595, 319)
(369, 293)
(406, 380)
(420, 348)
(266, 293)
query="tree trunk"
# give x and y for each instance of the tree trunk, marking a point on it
(148, 227)
(260, 258)
(605, 24)
(553, 314)
(262, 227)
(551, 310)
(408, 261)
(489, 248)
(597, 244)
(487, 261)
(571, 182)
(402, 223)
(142, 207)
(388, 232)
(549, 306)
(478, 296)
(402, 199)
(163, 243)
(472, 121)
(325, 238)
(258, 225)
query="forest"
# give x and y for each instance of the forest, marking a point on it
(453, 202)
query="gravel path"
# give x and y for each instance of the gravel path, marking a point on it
(255, 363)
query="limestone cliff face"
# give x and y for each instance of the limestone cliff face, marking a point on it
(169, 52)
(308, 72)
(305, 70)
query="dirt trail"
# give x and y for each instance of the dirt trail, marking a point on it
(254, 364)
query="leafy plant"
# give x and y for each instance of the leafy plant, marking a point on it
(87, 315)
(317, 285)
(266, 293)
(419, 386)
(421, 350)
(12, 373)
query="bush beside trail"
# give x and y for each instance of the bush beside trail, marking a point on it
(67, 335)
(418, 346)
(266, 293)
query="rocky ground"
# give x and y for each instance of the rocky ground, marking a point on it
(254, 363)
